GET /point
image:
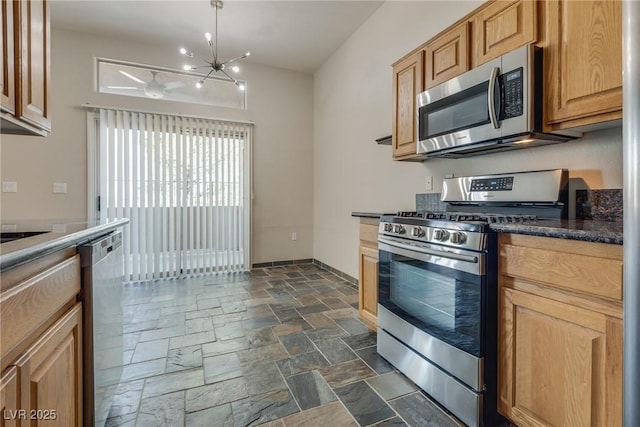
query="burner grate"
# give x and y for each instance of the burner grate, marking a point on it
(491, 218)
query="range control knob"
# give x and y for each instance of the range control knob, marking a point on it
(398, 229)
(458, 237)
(417, 232)
(441, 235)
(388, 227)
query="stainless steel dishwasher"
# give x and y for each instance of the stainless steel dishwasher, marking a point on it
(102, 282)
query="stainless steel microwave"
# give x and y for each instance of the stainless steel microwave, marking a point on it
(494, 107)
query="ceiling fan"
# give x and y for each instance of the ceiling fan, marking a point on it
(152, 88)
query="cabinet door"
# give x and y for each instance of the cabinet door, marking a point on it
(54, 371)
(503, 26)
(447, 56)
(9, 398)
(33, 98)
(557, 363)
(368, 288)
(583, 62)
(7, 64)
(408, 76)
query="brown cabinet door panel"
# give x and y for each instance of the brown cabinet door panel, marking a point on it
(447, 56)
(9, 398)
(7, 66)
(559, 364)
(503, 26)
(368, 286)
(583, 59)
(33, 101)
(408, 78)
(53, 370)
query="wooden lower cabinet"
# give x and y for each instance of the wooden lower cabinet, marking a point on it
(368, 271)
(53, 369)
(44, 385)
(9, 397)
(560, 350)
(41, 337)
(368, 289)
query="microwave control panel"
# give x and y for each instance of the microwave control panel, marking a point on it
(512, 83)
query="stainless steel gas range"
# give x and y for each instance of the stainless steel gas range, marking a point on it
(437, 291)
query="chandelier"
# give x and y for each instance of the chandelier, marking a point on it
(215, 65)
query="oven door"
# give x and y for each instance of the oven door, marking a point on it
(441, 292)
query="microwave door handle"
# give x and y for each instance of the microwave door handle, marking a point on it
(491, 98)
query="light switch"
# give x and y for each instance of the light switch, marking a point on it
(9, 187)
(59, 187)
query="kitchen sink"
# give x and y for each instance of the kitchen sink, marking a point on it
(14, 235)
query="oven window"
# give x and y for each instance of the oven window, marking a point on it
(440, 301)
(464, 110)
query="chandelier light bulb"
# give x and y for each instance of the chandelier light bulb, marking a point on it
(187, 67)
(248, 54)
(235, 69)
(207, 36)
(241, 86)
(183, 51)
(199, 84)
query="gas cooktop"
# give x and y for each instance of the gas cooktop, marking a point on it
(468, 216)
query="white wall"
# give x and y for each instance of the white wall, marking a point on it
(352, 107)
(279, 104)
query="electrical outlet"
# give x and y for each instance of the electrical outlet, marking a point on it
(428, 183)
(294, 236)
(59, 187)
(9, 187)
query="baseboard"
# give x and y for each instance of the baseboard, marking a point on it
(322, 265)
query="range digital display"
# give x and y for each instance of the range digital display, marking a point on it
(504, 183)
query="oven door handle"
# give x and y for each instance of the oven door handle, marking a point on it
(427, 251)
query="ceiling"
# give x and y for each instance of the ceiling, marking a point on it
(296, 35)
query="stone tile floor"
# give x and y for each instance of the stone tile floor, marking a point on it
(279, 346)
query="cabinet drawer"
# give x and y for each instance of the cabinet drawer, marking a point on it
(369, 233)
(31, 304)
(579, 272)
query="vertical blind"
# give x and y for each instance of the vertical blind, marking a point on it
(184, 184)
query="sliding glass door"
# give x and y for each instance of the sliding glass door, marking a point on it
(184, 184)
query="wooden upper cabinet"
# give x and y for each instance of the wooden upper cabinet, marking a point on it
(447, 56)
(501, 27)
(408, 76)
(7, 64)
(25, 80)
(35, 35)
(583, 62)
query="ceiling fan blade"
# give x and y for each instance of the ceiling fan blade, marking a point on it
(134, 78)
(173, 85)
(123, 87)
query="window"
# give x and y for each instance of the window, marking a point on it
(146, 81)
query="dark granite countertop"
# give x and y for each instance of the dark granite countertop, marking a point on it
(585, 230)
(369, 214)
(59, 234)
